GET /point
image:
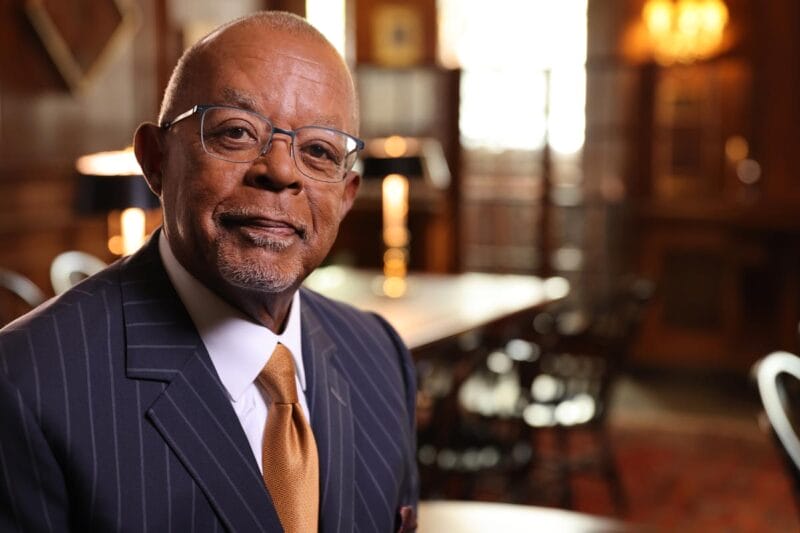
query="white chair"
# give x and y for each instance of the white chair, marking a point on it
(69, 268)
(19, 295)
(778, 378)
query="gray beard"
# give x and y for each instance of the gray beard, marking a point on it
(251, 276)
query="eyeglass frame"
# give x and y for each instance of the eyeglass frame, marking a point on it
(202, 108)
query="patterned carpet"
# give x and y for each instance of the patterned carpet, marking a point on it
(694, 474)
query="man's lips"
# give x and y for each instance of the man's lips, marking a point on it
(267, 224)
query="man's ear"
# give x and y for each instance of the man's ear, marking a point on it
(352, 182)
(149, 149)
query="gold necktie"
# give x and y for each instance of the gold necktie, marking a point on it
(288, 452)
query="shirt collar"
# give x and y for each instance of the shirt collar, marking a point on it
(238, 346)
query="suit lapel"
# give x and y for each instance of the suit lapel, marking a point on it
(331, 421)
(192, 414)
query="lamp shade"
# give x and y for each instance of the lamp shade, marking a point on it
(110, 181)
(378, 167)
(413, 157)
(101, 194)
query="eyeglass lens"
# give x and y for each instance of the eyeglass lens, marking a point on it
(241, 136)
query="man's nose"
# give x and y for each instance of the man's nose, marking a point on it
(275, 168)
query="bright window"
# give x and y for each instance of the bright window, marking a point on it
(524, 78)
(328, 16)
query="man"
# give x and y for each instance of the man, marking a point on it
(195, 386)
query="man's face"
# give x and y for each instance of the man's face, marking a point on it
(259, 226)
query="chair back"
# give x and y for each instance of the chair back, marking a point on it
(778, 379)
(70, 268)
(18, 295)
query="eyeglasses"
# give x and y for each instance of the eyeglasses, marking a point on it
(241, 136)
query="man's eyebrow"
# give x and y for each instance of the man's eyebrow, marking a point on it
(237, 98)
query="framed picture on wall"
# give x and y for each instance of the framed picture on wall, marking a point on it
(397, 35)
(686, 154)
(698, 109)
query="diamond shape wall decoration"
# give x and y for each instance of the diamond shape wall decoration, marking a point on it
(81, 36)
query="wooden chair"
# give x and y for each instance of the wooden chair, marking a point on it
(584, 349)
(484, 438)
(462, 453)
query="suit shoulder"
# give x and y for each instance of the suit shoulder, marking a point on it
(59, 329)
(351, 323)
(336, 310)
(84, 292)
(320, 302)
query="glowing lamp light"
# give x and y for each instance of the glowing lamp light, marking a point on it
(684, 31)
(395, 234)
(112, 183)
(395, 146)
(113, 163)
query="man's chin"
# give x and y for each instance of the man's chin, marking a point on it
(250, 279)
(267, 270)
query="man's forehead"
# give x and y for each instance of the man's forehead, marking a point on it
(247, 67)
(293, 50)
(259, 41)
(292, 55)
(295, 61)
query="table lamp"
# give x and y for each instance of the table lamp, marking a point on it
(112, 183)
(398, 161)
(395, 234)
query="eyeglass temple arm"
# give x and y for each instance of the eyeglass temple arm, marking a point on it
(186, 114)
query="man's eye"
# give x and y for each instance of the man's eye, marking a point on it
(321, 152)
(318, 151)
(237, 133)
(232, 131)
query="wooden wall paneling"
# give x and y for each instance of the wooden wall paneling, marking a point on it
(298, 7)
(697, 109)
(747, 234)
(44, 127)
(447, 231)
(165, 48)
(776, 47)
(686, 134)
(692, 319)
(616, 155)
(768, 264)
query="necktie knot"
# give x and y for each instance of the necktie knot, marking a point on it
(278, 377)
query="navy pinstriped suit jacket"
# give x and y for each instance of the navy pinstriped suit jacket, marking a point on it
(112, 417)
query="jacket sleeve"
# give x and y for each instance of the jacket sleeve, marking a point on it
(33, 494)
(410, 488)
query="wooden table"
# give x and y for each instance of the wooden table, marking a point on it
(437, 307)
(480, 517)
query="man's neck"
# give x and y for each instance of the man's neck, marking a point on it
(268, 309)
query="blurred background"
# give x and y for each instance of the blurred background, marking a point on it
(641, 150)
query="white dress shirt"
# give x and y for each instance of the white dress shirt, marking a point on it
(238, 346)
